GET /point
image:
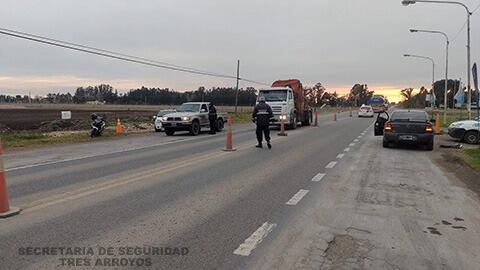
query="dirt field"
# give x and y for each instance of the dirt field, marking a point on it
(30, 117)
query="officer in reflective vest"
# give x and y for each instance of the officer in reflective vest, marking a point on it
(262, 113)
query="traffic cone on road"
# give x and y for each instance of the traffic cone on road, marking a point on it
(118, 127)
(5, 209)
(229, 146)
(351, 111)
(335, 116)
(282, 126)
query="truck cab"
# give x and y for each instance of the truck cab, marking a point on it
(282, 102)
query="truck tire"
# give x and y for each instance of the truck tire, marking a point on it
(471, 137)
(307, 120)
(157, 130)
(293, 124)
(195, 128)
(220, 124)
(169, 132)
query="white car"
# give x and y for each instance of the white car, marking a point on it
(467, 130)
(158, 118)
(366, 111)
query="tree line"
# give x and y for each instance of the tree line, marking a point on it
(316, 95)
(419, 100)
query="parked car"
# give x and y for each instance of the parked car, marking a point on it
(191, 117)
(366, 111)
(467, 130)
(405, 126)
(158, 119)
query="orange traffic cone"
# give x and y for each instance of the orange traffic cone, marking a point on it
(119, 127)
(229, 146)
(335, 116)
(5, 209)
(315, 122)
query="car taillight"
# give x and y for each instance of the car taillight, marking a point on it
(429, 128)
(370, 110)
(388, 126)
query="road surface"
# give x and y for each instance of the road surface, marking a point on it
(331, 186)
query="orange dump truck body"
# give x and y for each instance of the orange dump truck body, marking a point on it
(298, 93)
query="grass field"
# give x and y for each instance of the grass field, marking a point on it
(473, 157)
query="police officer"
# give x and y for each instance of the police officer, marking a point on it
(262, 113)
(212, 117)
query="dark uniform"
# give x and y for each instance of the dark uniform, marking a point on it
(212, 117)
(262, 115)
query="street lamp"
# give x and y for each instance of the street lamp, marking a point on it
(433, 67)
(446, 67)
(469, 14)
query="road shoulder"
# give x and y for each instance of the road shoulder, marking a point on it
(380, 209)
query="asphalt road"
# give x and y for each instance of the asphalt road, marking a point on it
(178, 191)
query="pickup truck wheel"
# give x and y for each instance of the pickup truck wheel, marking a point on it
(195, 128)
(169, 132)
(471, 137)
(220, 125)
(157, 130)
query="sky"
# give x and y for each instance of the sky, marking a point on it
(337, 43)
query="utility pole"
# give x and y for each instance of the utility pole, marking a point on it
(236, 87)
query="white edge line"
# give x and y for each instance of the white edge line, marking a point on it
(331, 164)
(297, 197)
(254, 240)
(318, 177)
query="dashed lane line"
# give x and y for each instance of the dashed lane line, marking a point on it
(331, 165)
(297, 197)
(347, 149)
(340, 156)
(254, 240)
(318, 177)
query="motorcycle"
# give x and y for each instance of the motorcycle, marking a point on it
(98, 126)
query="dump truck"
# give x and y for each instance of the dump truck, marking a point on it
(287, 99)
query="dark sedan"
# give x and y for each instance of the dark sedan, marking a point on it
(405, 126)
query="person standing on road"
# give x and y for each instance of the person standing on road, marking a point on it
(262, 113)
(212, 117)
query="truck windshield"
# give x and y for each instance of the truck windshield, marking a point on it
(273, 95)
(189, 108)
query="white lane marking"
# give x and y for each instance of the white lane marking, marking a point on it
(359, 137)
(339, 156)
(297, 197)
(331, 164)
(318, 177)
(97, 155)
(356, 140)
(254, 240)
(347, 149)
(352, 144)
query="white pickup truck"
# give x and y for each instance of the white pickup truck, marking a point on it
(191, 117)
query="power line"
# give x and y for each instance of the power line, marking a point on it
(103, 50)
(115, 55)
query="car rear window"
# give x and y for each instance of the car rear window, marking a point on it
(409, 116)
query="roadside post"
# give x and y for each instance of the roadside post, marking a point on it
(335, 115)
(282, 126)
(315, 122)
(438, 131)
(5, 209)
(229, 146)
(350, 111)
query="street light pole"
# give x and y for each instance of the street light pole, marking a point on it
(445, 99)
(469, 14)
(433, 67)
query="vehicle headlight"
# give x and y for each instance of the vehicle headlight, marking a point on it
(185, 118)
(283, 117)
(164, 118)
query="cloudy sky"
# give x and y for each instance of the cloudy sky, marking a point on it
(335, 42)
